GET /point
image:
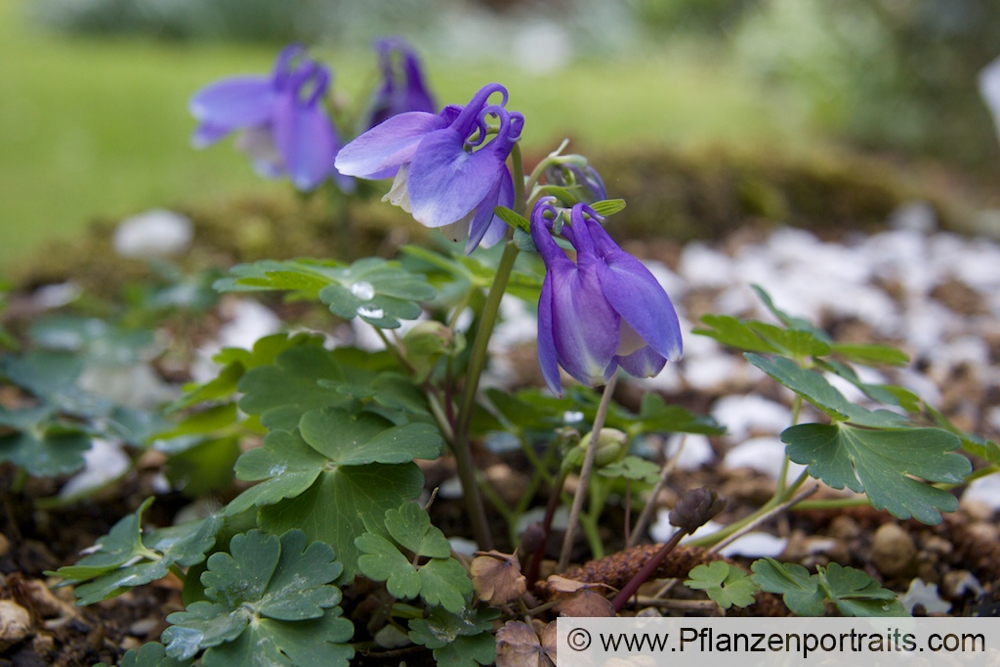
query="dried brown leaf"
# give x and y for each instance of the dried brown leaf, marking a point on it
(585, 602)
(497, 577)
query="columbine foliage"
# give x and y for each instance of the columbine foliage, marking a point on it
(884, 453)
(457, 640)
(440, 580)
(727, 585)
(379, 292)
(125, 558)
(852, 591)
(269, 602)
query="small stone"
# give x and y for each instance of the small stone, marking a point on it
(155, 233)
(15, 624)
(893, 551)
(844, 528)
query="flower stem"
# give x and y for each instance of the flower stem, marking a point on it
(716, 537)
(647, 571)
(477, 362)
(588, 465)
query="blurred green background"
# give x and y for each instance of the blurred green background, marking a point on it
(93, 93)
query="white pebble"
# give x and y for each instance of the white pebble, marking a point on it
(155, 233)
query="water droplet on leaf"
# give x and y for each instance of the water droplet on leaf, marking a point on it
(373, 313)
(362, 290)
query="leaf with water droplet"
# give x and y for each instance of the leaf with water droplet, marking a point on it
(267, 599)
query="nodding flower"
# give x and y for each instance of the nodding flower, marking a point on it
(604, 310)
(284, 126)
(403, 87)
(450, 168)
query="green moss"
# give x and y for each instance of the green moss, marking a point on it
(673, 195)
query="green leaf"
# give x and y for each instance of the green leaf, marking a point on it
(607, 207)
(798, 588)
(382, 561)
(269, 602)
(123, 559)
(807, 383)
(884, 464)
(121, 544)
(513, 219)
(236, 361)
(796, 343)
(287, 465)
(343, 503)
(727, 585)
(789, 321)
(152, 654)
(411, 527)
(632, 467)
(46, 452)
(971, 443)
(281, 393)
(467, 652)
(732, 332)
(870, 353)
(857, 594)
(445, 582)
(442, 627)
(655, 416)
(887, 394)
(185, 544)
(360, 438)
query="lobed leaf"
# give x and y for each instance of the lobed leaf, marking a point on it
(884, 464)
(725, 584)
(269, 602)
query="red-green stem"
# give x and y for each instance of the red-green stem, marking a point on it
(646, 572)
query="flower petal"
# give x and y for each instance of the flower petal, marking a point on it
(643, 363)
(584, 325)
(446, 182)
(306, 141)
(497, 229)
(380, 151)
(486, 228)
(548, 361)
(234, 103)
(636, 295)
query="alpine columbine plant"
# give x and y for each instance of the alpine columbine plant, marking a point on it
(403, 87)
(450, 168)
(285, 127)
(601, 312)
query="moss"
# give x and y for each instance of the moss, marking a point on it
(673, 195)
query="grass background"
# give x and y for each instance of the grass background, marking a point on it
(99, 127)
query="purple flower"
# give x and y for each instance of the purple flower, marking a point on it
(450, 168)
(403, 88)
(602, 311)
(580, 178)
(285, 128)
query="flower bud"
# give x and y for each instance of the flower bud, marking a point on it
(611, 445)
(696, 508)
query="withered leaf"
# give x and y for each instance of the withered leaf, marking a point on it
(497, 577)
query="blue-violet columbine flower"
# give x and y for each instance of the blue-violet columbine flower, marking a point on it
(580, 178)
(285, 127)
(450, 168)
(602, 311)
(403, 88)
